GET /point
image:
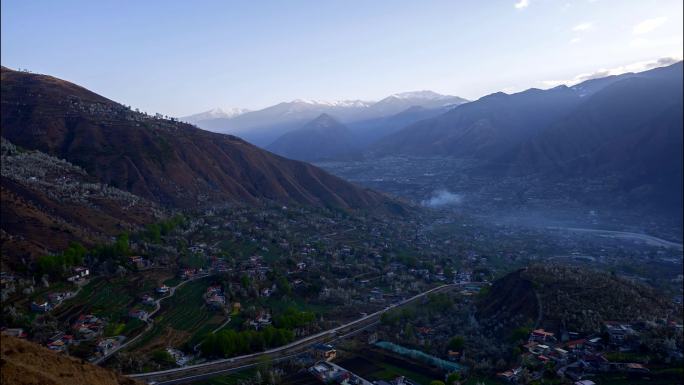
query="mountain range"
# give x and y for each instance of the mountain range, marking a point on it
(105, 146)
(627, 126)
(264, 126)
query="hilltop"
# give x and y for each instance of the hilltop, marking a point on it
(560, 297)
(25, 363)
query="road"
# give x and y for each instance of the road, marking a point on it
(649, 239)
(149, 320)
(222, 366)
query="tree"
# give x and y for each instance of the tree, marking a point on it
(453, 378)
(457, 343)
(437, 382)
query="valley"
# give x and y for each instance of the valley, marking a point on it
(523, 237)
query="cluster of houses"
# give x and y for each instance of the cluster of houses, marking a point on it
(88, 326)
(575, 357)
(140, 263)
(215, 298)
(79, 275)
(140, 314)
(106, 345)
(60, 341)
(330, 373)
(262, 319)
(220, 266)
(53, 300)
(14, 332)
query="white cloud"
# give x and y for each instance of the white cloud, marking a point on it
(583, 27)
(648, 25)
(575, 40)
(603, 72)
(522, 4)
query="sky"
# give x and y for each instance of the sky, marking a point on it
(183, 57)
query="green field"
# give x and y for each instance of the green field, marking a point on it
(185, 312)
(390, 372)
(230, 379)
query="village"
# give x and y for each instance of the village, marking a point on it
(241, 270)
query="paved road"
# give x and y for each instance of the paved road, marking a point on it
(149, 320)
(222, 366)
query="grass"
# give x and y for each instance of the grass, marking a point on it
(186, 310)
(390, 372)
(201, 332)
(279, 305)
(172, 281)
(230, 379)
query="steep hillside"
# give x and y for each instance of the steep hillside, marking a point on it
(369, 131)
(25, 363)
(632, 127)
(161, 160)
(47, 202)
(625, 128)
(322, 138)
(568, 298)
(482, 129)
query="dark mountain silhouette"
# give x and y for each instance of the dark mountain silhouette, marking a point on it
(369, 131)
(322, 138)
(627, 126)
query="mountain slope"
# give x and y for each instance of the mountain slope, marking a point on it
(631, 128)
(482, 129)
(627, 128)
(569, 298)
(48, 202)
(25, 363)
(323, 137)
(161, 160)
(369, 131)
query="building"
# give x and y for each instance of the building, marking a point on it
(42, 307)
(541, 335)
(79, 274)
(14, 332)
(324, 352)
(139, 314)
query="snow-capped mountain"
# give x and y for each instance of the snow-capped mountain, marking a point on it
(396, 103)
(215, 113)
(263, 126)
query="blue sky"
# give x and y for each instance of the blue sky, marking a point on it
(182, 57)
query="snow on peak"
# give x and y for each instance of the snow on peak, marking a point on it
(334, 103)
(425, 94)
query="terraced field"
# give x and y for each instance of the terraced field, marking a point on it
(183, 318)
(106, 298)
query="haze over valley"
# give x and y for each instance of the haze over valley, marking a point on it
(341, 192)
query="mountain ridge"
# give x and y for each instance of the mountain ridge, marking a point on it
(166, 161)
